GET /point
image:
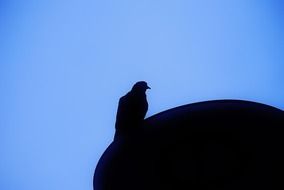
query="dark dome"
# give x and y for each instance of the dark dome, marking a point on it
(222, 144)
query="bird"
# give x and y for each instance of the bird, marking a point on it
(132, 109)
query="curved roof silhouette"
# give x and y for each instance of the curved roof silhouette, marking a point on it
(221, 144)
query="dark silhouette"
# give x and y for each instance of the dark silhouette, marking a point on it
(223, 144)
(131, 111)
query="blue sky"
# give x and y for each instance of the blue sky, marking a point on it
(64, 65)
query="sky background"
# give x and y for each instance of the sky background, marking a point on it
(64, 64)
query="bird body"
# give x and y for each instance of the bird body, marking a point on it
(132, 109)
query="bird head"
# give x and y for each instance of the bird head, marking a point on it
(140, 86)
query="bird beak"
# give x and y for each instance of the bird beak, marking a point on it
(148, 87)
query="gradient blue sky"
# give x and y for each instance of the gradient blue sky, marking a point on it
(64, 65)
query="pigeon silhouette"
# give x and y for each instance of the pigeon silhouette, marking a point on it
(131, 111)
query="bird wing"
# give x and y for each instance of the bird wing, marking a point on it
(131, 110)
